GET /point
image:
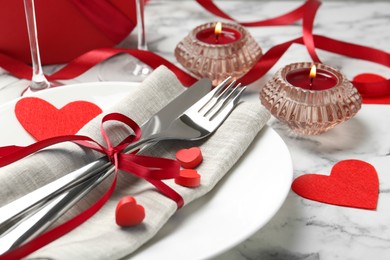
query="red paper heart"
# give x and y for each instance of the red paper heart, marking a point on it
(368, 78)
(43, 120)
(188, 178)
(372, 78)
(189, 158)
(128, 212)
(351, 183)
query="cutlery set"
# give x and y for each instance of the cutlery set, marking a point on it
(193, 115)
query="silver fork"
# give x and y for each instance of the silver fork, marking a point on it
(29, 203)
(202, 118)
(199, 121)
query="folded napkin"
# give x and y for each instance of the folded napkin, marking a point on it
(100, 237)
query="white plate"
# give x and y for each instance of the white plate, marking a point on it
(243, 202)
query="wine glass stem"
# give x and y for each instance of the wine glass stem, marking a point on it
(141, 25)
(38, 80)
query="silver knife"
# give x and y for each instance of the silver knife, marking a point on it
(32, 201)
(38, 221)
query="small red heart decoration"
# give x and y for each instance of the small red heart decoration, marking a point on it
(128, 213)
(43, 120)
(188, 178)
(377, 90)
(368, 78)
(189, 158)
(352, 183)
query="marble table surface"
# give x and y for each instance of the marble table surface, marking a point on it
(301, 229)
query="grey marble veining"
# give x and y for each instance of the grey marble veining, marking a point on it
(305, 229)
(302, 229)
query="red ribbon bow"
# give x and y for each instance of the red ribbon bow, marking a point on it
(152, 169)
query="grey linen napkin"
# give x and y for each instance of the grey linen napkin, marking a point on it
(100, 237)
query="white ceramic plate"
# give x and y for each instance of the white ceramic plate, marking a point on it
(243, 202)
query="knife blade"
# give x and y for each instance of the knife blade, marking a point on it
(33, 200)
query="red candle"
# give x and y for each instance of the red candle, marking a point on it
(218, 35)
(306, 79)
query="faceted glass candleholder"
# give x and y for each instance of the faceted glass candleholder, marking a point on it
(218, 61)
(309, 111)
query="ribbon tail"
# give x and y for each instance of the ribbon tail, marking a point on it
(6, 150)
(60, 230)
(168, 191)
(15, 67)
(284, 19)
(17, 152)
(267, 61)
(153, 170)
(352, 50)
(307, 28)
(89, 59)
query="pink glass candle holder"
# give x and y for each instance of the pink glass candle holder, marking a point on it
(205, 53)
(310, 104)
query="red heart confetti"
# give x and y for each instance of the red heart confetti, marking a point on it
(372, 78)
(43, 120)
(189, 158)
(188, 178)
(352, 183)
(368, 78)
(128, 213)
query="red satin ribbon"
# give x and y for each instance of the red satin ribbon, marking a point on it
(372, 93)
(307, 28)
(90, 59)
(285, 19)
(369, 90)
(152, 169)
(377, 92)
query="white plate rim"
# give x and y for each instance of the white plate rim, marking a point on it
(154, 247)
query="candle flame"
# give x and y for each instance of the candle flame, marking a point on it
(218, 28)
(313, 72)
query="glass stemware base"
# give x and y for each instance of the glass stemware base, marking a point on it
(30, 89)
(123, 68)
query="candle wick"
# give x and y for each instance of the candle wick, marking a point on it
(311, 82)
(216, 37)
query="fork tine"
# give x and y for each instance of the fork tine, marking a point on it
(229, 104)
(206, 100)
(220, 97)
(221, 100)
(226, 90)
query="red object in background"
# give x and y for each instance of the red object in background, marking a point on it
(301, 78)
(66, 28)
(369, 78)
(373, 95)
(227, 36)
(42, 120)
(351, 183)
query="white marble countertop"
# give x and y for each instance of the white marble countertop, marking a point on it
(302, 229)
